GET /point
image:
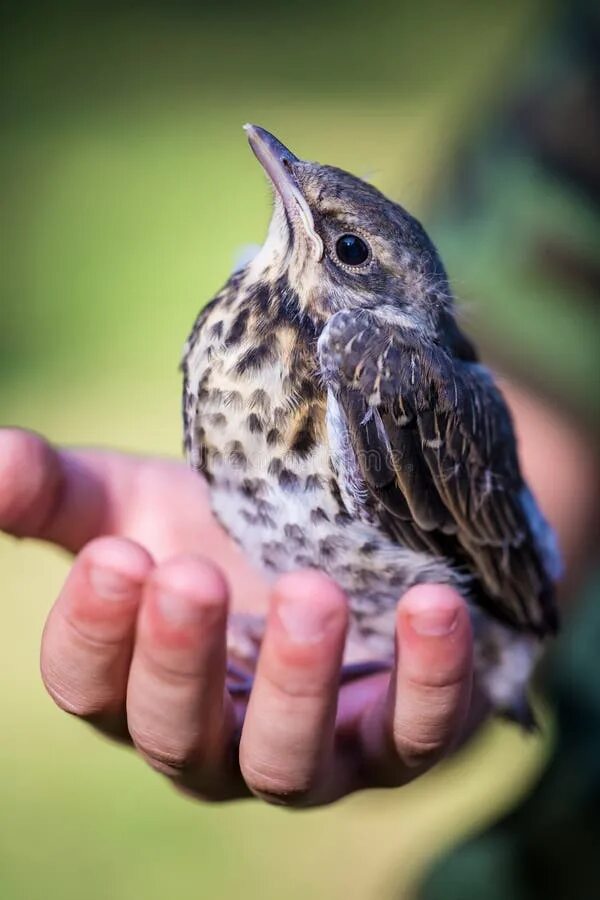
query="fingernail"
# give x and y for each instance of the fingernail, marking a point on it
(108, 584)
(176, 610)
(435, 622)
(304, 622)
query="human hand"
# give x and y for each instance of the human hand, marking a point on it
(136, 641)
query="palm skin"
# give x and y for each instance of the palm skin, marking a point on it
(135, 642)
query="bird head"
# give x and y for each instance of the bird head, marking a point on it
(340, 243)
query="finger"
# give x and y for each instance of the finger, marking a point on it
(69, 497)
(423, 713)
(288, 732)
(47, 494)
(87, 641)
(179, 716)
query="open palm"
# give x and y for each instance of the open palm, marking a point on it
(136, 641)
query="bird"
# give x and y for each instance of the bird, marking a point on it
(344, 422)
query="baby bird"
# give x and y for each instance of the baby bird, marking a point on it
(344, 422)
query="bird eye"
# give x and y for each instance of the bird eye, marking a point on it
(352, 250)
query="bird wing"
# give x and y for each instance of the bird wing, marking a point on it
(434, 444)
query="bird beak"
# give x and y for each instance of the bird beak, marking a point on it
(278, 162)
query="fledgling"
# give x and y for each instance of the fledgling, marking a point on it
(343, 421)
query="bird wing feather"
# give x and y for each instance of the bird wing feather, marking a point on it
(435, 445)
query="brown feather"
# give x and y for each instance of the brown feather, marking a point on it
(447, 478)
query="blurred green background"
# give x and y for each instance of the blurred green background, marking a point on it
(127, 190)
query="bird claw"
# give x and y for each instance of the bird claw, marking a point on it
(239, 680)
(353, 671)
